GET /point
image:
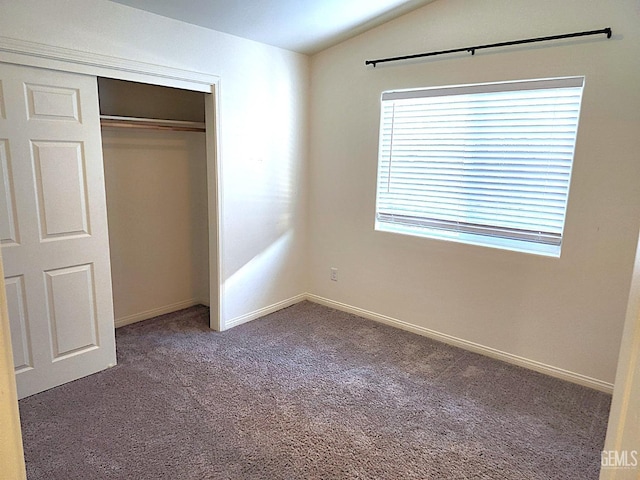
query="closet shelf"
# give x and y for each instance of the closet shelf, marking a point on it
(112, 121)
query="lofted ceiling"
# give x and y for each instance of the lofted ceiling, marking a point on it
(305, 26)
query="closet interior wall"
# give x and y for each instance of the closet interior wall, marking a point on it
(156, 185)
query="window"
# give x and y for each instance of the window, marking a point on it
(487, 164)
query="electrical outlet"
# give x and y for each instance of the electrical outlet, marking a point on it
(334, 274)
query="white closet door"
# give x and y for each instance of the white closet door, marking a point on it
(53, 227)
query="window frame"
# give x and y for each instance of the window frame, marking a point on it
(483, 235)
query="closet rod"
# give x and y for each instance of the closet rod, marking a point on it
(151, 123)
(472, 50)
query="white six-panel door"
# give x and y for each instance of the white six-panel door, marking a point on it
(53, 227)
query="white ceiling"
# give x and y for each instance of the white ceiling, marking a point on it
(305, 26)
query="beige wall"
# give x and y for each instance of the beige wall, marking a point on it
(156, 183)
(567, 313)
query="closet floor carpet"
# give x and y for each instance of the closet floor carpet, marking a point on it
(308, 393)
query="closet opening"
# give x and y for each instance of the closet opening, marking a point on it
(154, 146)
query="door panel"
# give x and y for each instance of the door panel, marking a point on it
(19, 324)
(2, 115)
(53, 227)
(52, 103)
(72, 319)
(8, 227)
(60, 181)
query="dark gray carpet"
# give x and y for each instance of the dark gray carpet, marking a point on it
(308, 393)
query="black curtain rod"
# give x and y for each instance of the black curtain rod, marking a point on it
(472, 50)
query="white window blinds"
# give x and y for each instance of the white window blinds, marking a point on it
(492, 160)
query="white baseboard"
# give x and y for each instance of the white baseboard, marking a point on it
(441, 337)
(146, 315)
(234, 322)
(467, 345)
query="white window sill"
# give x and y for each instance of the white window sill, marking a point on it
(471, 239)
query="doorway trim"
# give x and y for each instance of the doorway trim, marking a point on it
(24, 52)
(33, 54)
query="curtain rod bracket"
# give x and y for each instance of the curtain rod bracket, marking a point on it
(607, 31)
